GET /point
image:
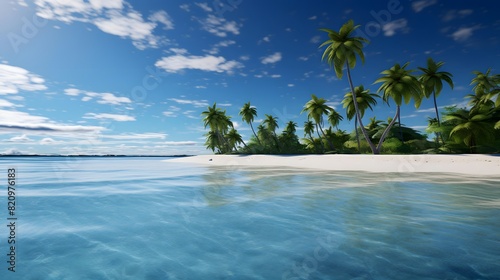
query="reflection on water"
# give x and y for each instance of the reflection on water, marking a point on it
(143, 218)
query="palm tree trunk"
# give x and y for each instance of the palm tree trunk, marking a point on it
(327, 140)
(387, 129)
(319, 136)
(400, 130)
(258, 140)
(357, 135)
(437, 117)
(358, 114)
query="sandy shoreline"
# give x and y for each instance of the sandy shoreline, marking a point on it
(461, 164)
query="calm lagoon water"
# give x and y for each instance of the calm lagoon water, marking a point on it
(146, 218)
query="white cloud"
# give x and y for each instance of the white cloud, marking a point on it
(276, 76)
(21, 138)
(5, 103)
(419, 6)
(103, 98)
(114, 17)
(115, 117)
(180, 143)
(16, 121)
(452, 14)
(162, 17)
(109, 98)
(195, 103)
(178, 50)
(313, 18)
(273, 58)
(290, 85)
(219, 26)
(15, 79)
(185, 7)
(204, 7)
(136, 136)
(392, 27)
(315, 39)
(464, 33)
(47, 141)
(170, 114)
(216, 47)
(212, 63)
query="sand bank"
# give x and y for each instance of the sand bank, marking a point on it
(463, 164)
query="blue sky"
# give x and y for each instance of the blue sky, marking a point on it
(132, 77)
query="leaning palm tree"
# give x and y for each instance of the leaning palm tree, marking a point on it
(400, 85)
(316, 108)
(233, 139)
(248, 113)
(365, 100)
(334, 118)
(342, 50)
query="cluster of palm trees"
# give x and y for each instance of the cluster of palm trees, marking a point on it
(462, 130)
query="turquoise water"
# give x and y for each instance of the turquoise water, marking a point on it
(144, 218)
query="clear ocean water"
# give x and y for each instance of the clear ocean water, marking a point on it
(148, 218)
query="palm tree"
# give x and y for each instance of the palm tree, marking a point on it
(365, 100)
(271, 123)
(234, 138)
(291, 127)
(398, 84)
(472, 127)
(334, 118)
(342, 49)
(432, 83)
(248, 113)
(218, 122)
(316, 108)
(309, 131)
(486, 86)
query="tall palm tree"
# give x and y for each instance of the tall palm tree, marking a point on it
(432, 84)
(365, 100)
(291, 127)
(271, 123)
(398, 84)
(342, 50)
(218, 122)
(316, 108)
(248, 113)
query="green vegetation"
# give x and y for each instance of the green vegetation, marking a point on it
(475, 129)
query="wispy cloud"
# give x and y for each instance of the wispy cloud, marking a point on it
(464, 33)
(205, 7)
(102, 98)
(209, 63)
(392, 27)
(15, 79)
(453, 14)
(273, 58)
(15, 121)
(114, 17)
(219, 26)
(195, 103)
(114, 117)
(419, 6)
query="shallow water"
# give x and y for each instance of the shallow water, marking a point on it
(144, 218)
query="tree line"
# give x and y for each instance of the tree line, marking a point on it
(460, 130)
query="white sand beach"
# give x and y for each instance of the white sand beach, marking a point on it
(478, 165)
